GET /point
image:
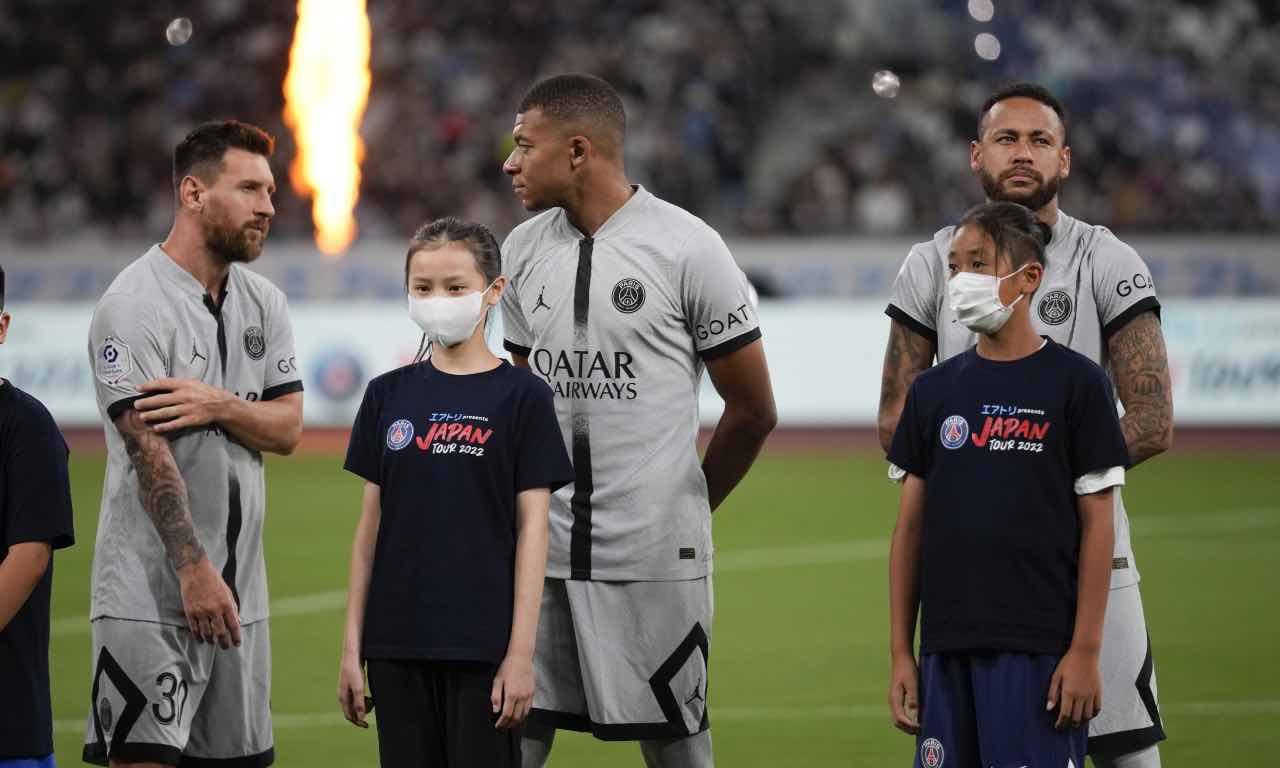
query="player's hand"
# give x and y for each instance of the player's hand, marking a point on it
(351, 691)
(1076, 689)
(512, 695)
(175, 404)
(904, 699)
(209, 605)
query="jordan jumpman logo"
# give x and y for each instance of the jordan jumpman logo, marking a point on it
(541, 303)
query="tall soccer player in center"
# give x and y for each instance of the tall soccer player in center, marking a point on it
(619, 300)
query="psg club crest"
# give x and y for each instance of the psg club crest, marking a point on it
(105, 717)
(399, 435)
(931, 754)
(255, 343)
(955, 430)
(1055, 308)
(628, 295)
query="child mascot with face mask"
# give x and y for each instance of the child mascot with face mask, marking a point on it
(1004, 534)
(459, 453)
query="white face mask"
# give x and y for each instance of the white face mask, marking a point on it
(976, 301)
(448, 320)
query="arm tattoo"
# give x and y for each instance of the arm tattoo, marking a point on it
(163, 492)
(1140, 368)
(907, 356)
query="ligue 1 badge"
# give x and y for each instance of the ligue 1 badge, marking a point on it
(955, 430)
(931, 754)
(399, 435)
(113, 361)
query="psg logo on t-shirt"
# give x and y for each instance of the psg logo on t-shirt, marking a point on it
(399, 434)
(955, 430)
(931, 754)
(628, 295)
(255, 343)
(1055, 308)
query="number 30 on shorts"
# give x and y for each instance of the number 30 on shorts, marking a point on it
(173, 693)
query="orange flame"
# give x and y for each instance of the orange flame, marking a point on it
(325, 94)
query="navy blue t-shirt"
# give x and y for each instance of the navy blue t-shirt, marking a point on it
(450, 453)
(35, 505)
(1000, 446)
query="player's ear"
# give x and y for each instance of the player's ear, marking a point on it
(975, 156)
(4, 326)
(191, 193)
(1064, 161)
(579, 151)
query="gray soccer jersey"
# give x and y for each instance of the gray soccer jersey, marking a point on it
(1093, 284)
(157, 321)
(620, 324)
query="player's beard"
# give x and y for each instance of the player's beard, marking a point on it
(1035, 199)
(228, 242)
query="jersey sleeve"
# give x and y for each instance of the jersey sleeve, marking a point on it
(282, 366)
(37, 488)
(914, 301)
(517, 338)
(717, 297)
(364, 448)
(542, 461)
(909, 450)
(1096, 440)
(126, 348)
(1122, 284)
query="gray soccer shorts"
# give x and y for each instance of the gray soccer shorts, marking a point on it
(161, 696)
(624, 660)
(1130, 717)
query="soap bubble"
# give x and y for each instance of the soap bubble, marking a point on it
(179, 31)
(987, 46)
(885, 84)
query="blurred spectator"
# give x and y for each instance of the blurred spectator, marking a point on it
(756, 114)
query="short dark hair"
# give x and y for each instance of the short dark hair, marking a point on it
(201, 152)
(1015, 230)
(1033, 91)
(577, 96)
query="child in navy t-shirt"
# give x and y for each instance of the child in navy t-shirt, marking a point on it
(460, 453)
(35, 520)
(1004, 535)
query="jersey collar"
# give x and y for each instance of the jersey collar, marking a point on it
(187, 282)
(1060, 228)
(616, 222)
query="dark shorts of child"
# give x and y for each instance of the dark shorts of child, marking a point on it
(987, 710)
(27, 762)
(438, 714)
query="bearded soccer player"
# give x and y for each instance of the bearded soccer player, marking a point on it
(192, 356)
(1098, 299)
(619, 300)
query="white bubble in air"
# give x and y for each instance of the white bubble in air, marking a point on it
(981, 10)
(987, 46)
(885, 84)
(179, 31)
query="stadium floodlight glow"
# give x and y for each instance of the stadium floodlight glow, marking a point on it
(982, 10)
(325, 95)
(987, 46)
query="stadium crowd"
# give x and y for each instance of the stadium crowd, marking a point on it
(756, 114)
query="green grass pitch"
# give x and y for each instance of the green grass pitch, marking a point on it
(799, 653)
